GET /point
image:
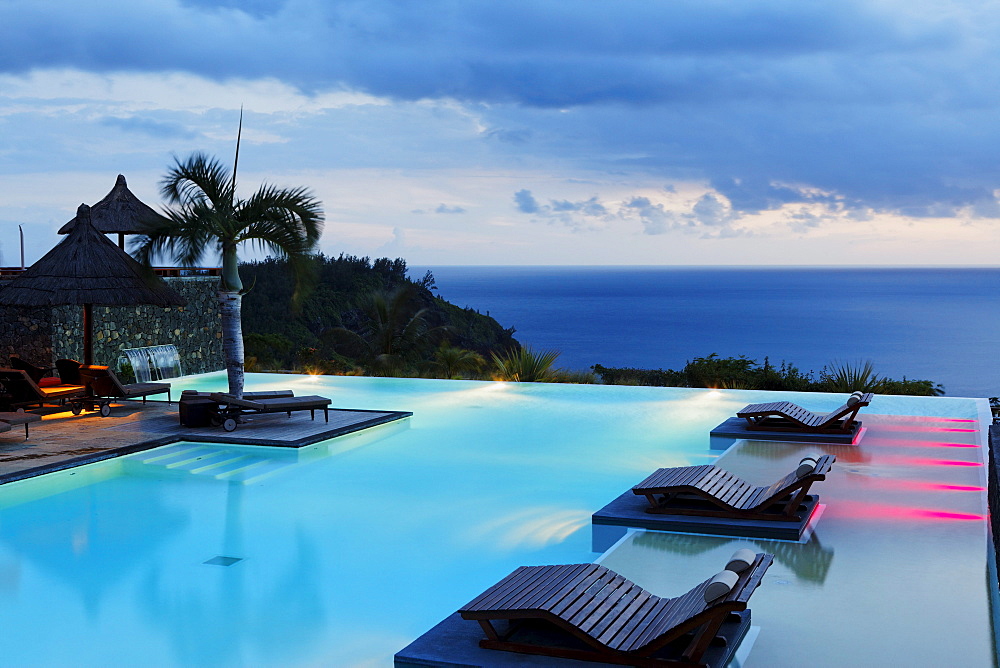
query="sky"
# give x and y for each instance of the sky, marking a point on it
(578, 132)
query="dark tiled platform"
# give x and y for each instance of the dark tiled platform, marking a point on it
(454, 643)
(62, 440)
(629, 510)
(737, 428)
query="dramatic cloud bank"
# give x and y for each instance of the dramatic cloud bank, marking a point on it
(691, 119)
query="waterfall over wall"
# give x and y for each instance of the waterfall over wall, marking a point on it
(149, 364)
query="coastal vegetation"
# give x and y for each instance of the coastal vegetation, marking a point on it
(744, 373)
(364, 316)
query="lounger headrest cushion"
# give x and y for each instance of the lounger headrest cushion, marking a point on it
(741, 560)
(854, 398)
(720, 585)
(806, 466)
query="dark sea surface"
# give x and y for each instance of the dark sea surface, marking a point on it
(936, 324)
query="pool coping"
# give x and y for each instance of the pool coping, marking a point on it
(382, 417)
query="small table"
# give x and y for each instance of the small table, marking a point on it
(20, 418)
(196, 412)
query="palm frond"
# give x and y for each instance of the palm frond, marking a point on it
(199, 180)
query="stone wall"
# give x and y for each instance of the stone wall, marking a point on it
(44, 335)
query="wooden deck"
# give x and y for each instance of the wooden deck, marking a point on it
(62, 440)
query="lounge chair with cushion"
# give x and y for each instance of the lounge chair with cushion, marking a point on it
(231, 408)
(589, 612)
(69, 371)
(105, 388)
(20, 390)
(786, 416)
(710, 491)
(39, 375)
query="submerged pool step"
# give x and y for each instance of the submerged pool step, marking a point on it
(209, 462)
(165, 453)
(257, 470)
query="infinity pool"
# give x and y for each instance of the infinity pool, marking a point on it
(343, 552)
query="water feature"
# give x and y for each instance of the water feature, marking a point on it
(149, 364)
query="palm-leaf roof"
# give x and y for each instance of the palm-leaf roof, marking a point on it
(119, 212)
(87, 268)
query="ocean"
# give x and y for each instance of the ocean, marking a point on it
(937, 324)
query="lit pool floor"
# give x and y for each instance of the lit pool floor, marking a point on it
(346, 551)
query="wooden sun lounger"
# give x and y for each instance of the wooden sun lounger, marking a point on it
(8, 420)
(263, 394)
(713, 492)
(616, 620)
(106, 388)
(20, 390)
(231, 408)
(786, 416)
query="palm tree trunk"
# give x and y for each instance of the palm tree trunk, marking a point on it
(230, 303)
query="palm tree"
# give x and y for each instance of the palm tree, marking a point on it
(205, 215)
(524, 365)
(451, 362)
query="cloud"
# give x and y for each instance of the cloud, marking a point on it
(444, 208)
(525, 202)
(588, 214)
(149, 126)
(881, 107)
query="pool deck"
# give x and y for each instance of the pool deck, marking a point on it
(63, 440)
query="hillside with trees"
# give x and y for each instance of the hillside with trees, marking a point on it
(357, 315)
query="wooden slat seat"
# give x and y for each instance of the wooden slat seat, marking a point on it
(786, 416)
(711, 491)
(618, 621)
(232, 408)
(105, 384)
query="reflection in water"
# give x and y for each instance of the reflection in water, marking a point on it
(89, 539)
(880, 512)
(846, 454)
(532, 528)
(235, 614)
(809, 561)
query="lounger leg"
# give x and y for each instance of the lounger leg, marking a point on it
(26, 431)
(326, 414)
(312, 414)
(491, 632)
(793, 504)
(704, 637)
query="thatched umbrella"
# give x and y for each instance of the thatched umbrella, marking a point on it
(119, 212)
(86, 268)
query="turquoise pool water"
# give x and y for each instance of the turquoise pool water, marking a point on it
(344, 551)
